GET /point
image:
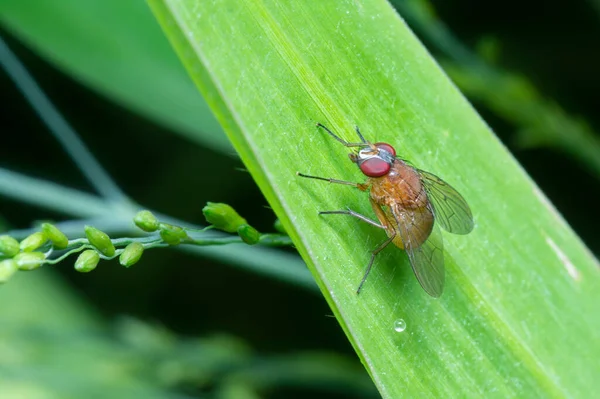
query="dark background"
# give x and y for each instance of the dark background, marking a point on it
(555, 44)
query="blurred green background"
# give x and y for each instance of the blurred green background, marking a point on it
(530, 68)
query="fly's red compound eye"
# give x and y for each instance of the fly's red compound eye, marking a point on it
(386, 147)
(375, 167)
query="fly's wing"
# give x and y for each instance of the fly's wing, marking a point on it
(426, 259)
(449, 207)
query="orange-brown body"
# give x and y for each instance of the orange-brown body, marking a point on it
(401, 204)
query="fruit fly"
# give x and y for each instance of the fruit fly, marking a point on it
(409, 204)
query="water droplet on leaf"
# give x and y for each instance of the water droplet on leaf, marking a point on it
(399, 325)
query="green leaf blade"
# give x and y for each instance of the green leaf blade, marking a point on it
(514, 320)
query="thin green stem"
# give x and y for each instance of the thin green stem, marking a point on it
(60, 128)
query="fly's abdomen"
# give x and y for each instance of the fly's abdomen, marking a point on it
(413, 226)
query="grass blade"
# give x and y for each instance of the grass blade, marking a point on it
(518, 315)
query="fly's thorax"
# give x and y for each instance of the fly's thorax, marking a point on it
(401, 186)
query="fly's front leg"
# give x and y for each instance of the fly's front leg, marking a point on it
(360, 186)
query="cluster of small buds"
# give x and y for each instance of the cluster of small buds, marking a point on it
(39, 248)
(170, 234)
(34, 251)
(9, 248)
(224, 217)
(88, 260)
(24, 255)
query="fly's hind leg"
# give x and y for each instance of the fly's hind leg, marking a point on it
(356, 215)
(373, 255)
(376, 250)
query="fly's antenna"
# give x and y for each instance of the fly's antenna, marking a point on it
(345, 143)
(361, 136)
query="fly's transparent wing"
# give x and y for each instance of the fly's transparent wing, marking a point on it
(427, 258)
(449, 207)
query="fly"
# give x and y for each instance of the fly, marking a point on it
(409, 204)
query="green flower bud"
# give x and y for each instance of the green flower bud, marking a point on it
(58, 238)
(279, 227)
(172, 235)
(29, 260)
(131, 254)
(248, 234)
(33, 242)
(8, 267)
(87, 261)
(146, 221)
(223, 217)
(100, 240)
(8, 246)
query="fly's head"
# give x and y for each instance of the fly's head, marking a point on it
(374, 160)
